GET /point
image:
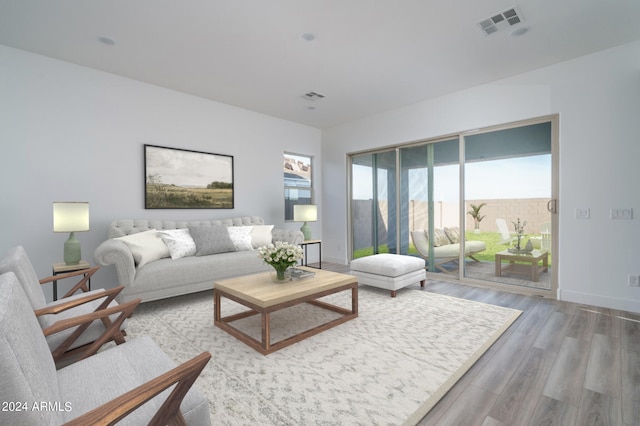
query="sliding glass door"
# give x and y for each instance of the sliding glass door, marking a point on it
(463, 203)
(509, 192)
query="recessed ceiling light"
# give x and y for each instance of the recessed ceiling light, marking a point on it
(107, 40)
(309, 37)
(518, 32)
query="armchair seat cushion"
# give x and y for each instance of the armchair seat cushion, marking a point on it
(126, 366)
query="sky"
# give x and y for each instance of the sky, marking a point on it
(187, 168)
(522, 177)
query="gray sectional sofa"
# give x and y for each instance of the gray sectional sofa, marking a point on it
(151, 265)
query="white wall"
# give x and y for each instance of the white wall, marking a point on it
(598, 99)
(70, 133)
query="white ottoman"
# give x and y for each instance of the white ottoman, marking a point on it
(389, 271)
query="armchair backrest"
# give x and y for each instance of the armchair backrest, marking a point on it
(28, 372)
(17, 261)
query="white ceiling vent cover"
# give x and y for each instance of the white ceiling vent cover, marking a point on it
(500, 21)
(313, 96)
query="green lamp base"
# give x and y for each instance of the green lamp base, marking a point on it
(72, 250)
(306, 231)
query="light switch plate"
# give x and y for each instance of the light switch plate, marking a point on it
(583, 213)
(622, 213)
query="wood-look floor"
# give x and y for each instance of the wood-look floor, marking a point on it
(560, 363)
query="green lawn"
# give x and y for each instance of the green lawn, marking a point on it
(492, 240)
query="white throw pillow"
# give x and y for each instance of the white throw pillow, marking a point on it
(179, 241)
(261, 235)
(145, 246)
(241, 237)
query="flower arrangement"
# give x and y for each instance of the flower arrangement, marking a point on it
(280, 256)
(519, 228)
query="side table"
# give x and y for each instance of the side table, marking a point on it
(63, 268)
(305, 248)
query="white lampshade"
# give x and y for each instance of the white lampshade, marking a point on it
(70, 216)
(305, 213)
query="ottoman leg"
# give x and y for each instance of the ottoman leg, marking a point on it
(422, 283)
(393, 293)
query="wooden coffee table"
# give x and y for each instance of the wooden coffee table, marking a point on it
(263, 296)
(531, 261)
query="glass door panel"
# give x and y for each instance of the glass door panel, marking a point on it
(362, 229)
(508, 185)
(385, 212)
(430, 176)
(373, 204)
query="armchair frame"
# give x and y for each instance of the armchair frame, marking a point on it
(81, 285)
(82, 322)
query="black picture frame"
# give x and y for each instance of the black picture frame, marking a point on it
(177, 178)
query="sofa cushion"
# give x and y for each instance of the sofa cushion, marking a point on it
(146, 247)
(179, 242)
(240, 237)
(261, 235)
(453, 234)
(211, 239)
(439, 237)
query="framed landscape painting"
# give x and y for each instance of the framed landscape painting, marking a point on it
(182, 179)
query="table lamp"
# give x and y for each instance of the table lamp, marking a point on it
(71, 217)
(305, 213)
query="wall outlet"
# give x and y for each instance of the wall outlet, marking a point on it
(622, 213)
(583, 213)
(634, 280)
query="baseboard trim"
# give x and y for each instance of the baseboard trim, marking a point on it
(338, 260)
(629, 305)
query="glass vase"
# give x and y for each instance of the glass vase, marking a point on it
(280, 274)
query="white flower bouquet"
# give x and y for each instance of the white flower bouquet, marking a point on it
(280, 256)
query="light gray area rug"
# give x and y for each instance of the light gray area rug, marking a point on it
(389, 366)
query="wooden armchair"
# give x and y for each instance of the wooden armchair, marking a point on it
(133, 382)
(69, 343)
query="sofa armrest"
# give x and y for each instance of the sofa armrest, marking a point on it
(287, 235)
(115, 252)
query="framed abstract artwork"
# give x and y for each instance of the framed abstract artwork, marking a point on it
(183, 179)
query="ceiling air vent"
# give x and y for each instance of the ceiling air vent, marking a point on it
(499, 21)
(313, 96)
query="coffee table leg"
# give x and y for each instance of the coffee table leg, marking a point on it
(354, 299)
(266, 330)
(216, 306)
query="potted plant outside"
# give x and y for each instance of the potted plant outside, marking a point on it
(477, 217)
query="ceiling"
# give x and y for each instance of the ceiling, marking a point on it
(368, 56)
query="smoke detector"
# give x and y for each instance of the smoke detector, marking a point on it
(313, 96)
(501, 21)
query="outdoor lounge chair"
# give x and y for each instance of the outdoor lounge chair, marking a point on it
(503, 229)
(85, 338)
(543, 242)
(445, 253)
(130, 383)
